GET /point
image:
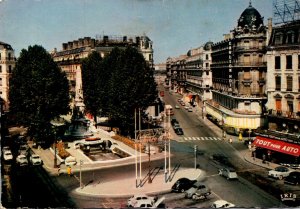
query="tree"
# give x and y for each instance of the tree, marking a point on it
(39, 92)
(94, 83)
(131, 86)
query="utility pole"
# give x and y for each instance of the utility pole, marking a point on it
(195, 151)
(169, 149)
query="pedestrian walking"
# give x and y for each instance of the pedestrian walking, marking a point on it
(230, 140)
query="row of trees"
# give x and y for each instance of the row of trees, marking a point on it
(116, 85)
(113, 86)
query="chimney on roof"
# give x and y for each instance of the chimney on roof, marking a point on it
(64, 46)
(80, 42)
(70, 45)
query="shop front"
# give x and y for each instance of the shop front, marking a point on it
(277, 151)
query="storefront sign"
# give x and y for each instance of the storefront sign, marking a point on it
(276, 145)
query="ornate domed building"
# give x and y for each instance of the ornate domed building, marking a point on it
(239, 74)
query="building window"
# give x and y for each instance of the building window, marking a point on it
(9, 69)
(299, 84)
(9, 56)
(0, 56)
(277, 63)
(207, 57)
(278, 38)
(0, 81)
(289, 62)
(298, 61)
(206, 65)
(290, 37)
(289, 83)
(0, 68)
(277, 83)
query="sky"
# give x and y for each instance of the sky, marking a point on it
(174, 26)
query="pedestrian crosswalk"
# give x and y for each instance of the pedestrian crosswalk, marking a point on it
(203, 138)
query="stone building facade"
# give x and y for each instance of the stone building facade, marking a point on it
(190, 74)
(7, 64)
(69, 58)
(239, 75)
(283, 58)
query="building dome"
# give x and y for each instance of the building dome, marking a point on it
(208, 45)
(250, 17)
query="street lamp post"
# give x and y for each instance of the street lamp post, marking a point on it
(55, 150)
(149, 166)
(81, 163)
(195, 151)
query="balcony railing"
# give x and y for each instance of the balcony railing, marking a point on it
(284, 114)
(256, 64)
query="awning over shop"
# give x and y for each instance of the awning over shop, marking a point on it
(277, 145)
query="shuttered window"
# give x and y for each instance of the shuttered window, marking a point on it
(289, 83)
(278, 104)
(277, 62)
(289, 62)
(277, 83)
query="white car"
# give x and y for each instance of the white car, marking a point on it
(138, 198)
(22, 160)
(145, 201)
(35, 159)
(228, 173)
(7, 155)
(222, 204)
(279, 172)
(69, 161)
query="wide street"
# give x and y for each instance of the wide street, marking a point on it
(240, 192)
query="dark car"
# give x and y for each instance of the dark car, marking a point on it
(178, 131)
(182, 184)
(174, 121)
(293, 178)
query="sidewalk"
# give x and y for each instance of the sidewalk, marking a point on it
(127, 187)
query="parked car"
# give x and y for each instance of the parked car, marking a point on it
(293, 178)
(175, 126)
(198, 191)
(279, 172)
(69, 161)
(222, 204)
(6, 148)
(23, 149)
(228, 173)
(35, 159)
(178, 131)
(136, 198)
(174, 121)
(182, 184)
(22, 160)
(190, 109)
(149, 204)
(177, 107)
(7, 155)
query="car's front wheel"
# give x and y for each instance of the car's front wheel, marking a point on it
(182, 190)
(280, 177)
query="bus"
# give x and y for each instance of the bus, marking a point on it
(169, 110)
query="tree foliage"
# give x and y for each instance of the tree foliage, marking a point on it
(39, 91)
(91, 74)
(132, 86)
(122, 82)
